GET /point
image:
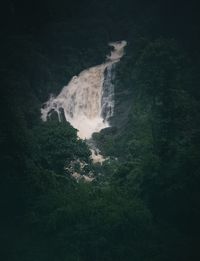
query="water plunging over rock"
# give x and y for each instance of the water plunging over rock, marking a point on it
(88, 99)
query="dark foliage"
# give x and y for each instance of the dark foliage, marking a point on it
(144, 205)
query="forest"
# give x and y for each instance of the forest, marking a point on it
(144, 203)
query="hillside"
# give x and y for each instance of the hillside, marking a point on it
(143, 203)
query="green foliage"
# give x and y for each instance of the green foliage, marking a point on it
(144, 203)
(97, 223)
(56, 145)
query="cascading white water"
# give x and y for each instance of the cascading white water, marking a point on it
(88, 99)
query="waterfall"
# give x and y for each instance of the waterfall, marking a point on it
(88, 99)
